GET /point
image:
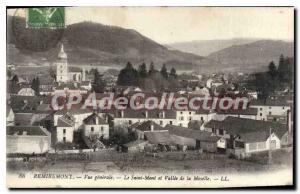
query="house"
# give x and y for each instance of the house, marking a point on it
(272, 110)
(65, 128)
(184, 117)
(94, 125)
(78, 114)
(140, 128)
(259, 141)
(248, 135)
(27, 140)
(129, 116)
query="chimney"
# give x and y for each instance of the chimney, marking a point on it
(122, 113)
(146, 114)
(151, 127)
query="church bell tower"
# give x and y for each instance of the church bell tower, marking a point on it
(62, 66)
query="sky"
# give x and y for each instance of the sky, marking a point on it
(181, 24)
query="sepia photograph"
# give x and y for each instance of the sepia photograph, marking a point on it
(150, 97)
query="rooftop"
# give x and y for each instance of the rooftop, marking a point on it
(28, 130)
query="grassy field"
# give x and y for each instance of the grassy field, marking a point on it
(162, 162)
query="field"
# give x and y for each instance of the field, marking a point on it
(171, 162)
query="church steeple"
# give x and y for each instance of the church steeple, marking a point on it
(62, 54)
(62, 66)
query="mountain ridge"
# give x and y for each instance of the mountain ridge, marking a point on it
(98, 44)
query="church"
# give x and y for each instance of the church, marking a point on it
(65, 74)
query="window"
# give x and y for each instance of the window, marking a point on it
(181, 118)
(92, 129)
(201, 118)
(190, 113)
(180, 125)
(283, 107)
(102, 128)
(171, 123)
(260, 114)
(64, 139)
(270, 107)
(130, 122)
(180, 112)
(260, 108)
(161, 122)
(64, 131)
(190, 118)
(270, 113)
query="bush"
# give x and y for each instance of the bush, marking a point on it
(65, 146)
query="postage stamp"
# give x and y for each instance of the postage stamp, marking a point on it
(45, 17)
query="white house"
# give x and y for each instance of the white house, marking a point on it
(27, 140)
(267, 110)
(94, 125)
(129, 116)
(65, 128)
(78, 114)
(248, 135)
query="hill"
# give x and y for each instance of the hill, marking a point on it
(253, 56)
(206, 47)
(93, 43)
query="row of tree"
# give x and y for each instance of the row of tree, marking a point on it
(276, 78)
(147, 79)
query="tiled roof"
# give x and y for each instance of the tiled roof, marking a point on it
(161, 137)
(24, 118)
(30, 130)
(238, 126)
(188, 133)
(146, 126)
(64, 122)
(94, 119)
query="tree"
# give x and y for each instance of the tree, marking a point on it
(128, 76)
(173, 73)
(52, 73)
(152, 69)
(164, 71)
(98, 84)
(9, 73)
(35, 85)
(273, 72)
(15, 79)
(142, 70)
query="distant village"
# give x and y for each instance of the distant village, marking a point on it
(34, 128)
